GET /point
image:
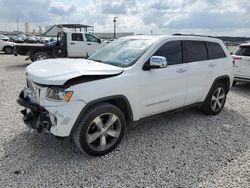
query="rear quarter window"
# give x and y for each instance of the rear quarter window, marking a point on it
(215, 50)
(194, 51)
(243, 51)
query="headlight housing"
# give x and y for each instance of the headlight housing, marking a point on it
(58, 94)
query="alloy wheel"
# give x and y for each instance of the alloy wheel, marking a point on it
(218, 99)
(103, 132)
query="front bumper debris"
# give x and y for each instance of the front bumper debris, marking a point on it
(34, 116)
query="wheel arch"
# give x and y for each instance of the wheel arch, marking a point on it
(8, 46)
(225, 79)
(206, 105)
(120, 101)
(34, 53)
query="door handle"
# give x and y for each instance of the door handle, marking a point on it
(89, 44)
(211, 65)
(72, 43)
(181, 70)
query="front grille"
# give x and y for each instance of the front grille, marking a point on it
(34, 88)
(29, 84)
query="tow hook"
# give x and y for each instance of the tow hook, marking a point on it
(24, 111)
(43, 122)
(38, 121)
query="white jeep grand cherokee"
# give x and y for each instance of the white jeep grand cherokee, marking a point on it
(132, 78)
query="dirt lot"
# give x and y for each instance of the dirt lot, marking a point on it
(186, 149)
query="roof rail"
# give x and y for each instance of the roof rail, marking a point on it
(180, 34)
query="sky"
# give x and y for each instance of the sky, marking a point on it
(207, 17)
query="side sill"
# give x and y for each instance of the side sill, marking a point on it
(167, 112)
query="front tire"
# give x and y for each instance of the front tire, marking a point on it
(216, 100)
(100, 129)
(8, 50)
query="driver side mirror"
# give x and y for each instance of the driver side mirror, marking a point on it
(156, 62)
(99, 40)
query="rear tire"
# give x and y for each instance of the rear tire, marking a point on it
(8, 50)
(100, 129)
(41, 56)
(215, 100)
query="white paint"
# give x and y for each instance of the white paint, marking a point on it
(165, 88)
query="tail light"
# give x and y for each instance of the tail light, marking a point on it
(235, 58)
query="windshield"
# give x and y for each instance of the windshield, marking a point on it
(122, 52)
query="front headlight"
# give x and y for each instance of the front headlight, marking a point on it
(59, 94)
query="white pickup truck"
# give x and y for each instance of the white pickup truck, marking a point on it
(6, 47)
(68, 44)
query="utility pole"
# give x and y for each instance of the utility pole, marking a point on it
(17, 26)
(114, 27)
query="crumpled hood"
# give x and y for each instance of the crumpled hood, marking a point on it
(59, 71)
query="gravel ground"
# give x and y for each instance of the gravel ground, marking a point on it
(186, 149)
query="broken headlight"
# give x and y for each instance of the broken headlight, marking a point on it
(58, 94)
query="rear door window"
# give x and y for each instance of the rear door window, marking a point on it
(172, 51)
(243, 51)
(194, 51)
(215, 51)
(77, 37)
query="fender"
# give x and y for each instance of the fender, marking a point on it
(105, 99)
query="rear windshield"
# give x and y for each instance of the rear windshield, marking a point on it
(243, 51)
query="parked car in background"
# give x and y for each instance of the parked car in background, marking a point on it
(6, 47)
(12, 38)
(52, 39)
(30, 39)
(242, 63)
(44, 40)
(38, 39)
(52, 43)
(95, 99)
(18, 39)
(4, 38)
(68, 44)
(24, 37)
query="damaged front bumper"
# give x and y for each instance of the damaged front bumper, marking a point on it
(34, 116)
(53, 117)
